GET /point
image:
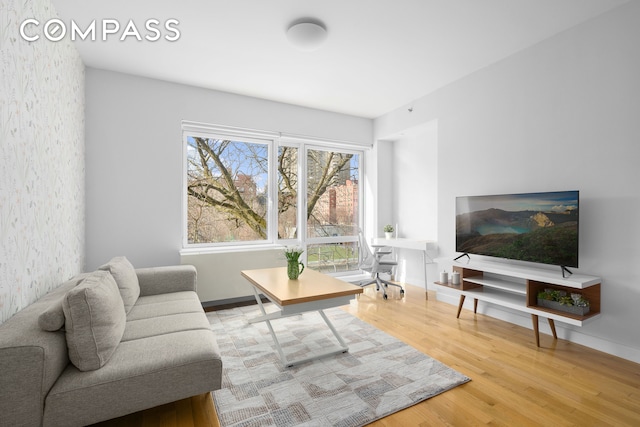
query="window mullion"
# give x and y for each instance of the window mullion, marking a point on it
(302, 197)
(272, 190)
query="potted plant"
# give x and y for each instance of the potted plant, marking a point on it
(295, 267)
(559, 300)
(388, 231)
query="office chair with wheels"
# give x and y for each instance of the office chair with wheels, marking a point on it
(376, 263)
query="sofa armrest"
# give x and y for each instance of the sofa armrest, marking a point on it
(162, 280)
(31, 360)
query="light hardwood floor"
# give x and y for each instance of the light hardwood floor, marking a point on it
(514, 383)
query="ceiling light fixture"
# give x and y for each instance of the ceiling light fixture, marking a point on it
(307, 34)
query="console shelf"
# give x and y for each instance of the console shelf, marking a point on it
(517, 288)
(501, 284)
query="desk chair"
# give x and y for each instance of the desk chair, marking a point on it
(376, 263)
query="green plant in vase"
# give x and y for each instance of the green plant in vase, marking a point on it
(295, 267)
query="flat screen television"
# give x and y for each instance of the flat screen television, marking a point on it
(534, 227)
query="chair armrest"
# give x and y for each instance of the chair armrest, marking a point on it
(162, 280)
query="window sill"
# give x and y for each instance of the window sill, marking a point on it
(230, 248)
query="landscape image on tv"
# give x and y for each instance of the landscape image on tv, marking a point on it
(535, 227)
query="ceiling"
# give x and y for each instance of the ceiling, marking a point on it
(379, 54)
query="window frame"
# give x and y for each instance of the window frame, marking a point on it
(274, 140)
(298, 241)
(191, 129)
(338, 239)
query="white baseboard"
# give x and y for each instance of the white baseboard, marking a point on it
(565, 332)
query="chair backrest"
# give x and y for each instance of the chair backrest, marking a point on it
(366, 260)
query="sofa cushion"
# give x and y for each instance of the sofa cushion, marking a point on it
(168, 297)
(141, 374)
(144, 328)
(52, 317)
(94, 320)
(126, 278)
(146, 310)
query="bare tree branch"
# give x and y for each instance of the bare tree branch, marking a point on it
(222, 177)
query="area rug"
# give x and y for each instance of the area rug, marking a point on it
(379, 375)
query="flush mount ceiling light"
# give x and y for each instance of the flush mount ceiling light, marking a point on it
(307, 34)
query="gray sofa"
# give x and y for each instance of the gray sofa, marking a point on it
(106, 344)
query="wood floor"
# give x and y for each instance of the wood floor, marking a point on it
(514, 383)
(197, 411)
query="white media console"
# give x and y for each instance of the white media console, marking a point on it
(517, 287)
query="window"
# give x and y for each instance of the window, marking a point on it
(333, 209)
(332, 193)
(247, 187)
(287, 192)
(226, 190)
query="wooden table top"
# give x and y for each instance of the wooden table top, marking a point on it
(310, 286)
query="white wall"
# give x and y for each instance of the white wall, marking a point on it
(409, 196)
(560, 115)
(134, 158)
(384, 173)
(219, 278)
(415, 160)
(41, 160)
(415, 194)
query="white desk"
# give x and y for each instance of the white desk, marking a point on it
(425, 246)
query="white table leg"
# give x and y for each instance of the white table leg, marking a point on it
(335, 332)
(267, 317)
(336, 350)
(273, 334)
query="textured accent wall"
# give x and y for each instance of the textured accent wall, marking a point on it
(42, 195)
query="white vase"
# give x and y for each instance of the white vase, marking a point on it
(388, 234)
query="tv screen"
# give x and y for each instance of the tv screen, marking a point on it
(535, 227)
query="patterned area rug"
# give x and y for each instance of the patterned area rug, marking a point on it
(379, 375)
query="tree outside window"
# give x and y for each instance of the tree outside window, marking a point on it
(228, 194)
(227, 190)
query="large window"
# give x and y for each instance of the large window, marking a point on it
(226, 189)
(247, 189)
(333, 209)
(332, 193)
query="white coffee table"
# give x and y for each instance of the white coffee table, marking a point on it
(312, 291)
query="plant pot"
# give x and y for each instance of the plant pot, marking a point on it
(388, 234)
(294, 269)
(555, 305)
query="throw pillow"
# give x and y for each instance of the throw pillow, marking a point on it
(52, 318)
(126, 278)
(94, 320)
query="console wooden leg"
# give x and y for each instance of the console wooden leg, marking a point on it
(460, 305)
(534, 318)
(475, 305)
(552, 325)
